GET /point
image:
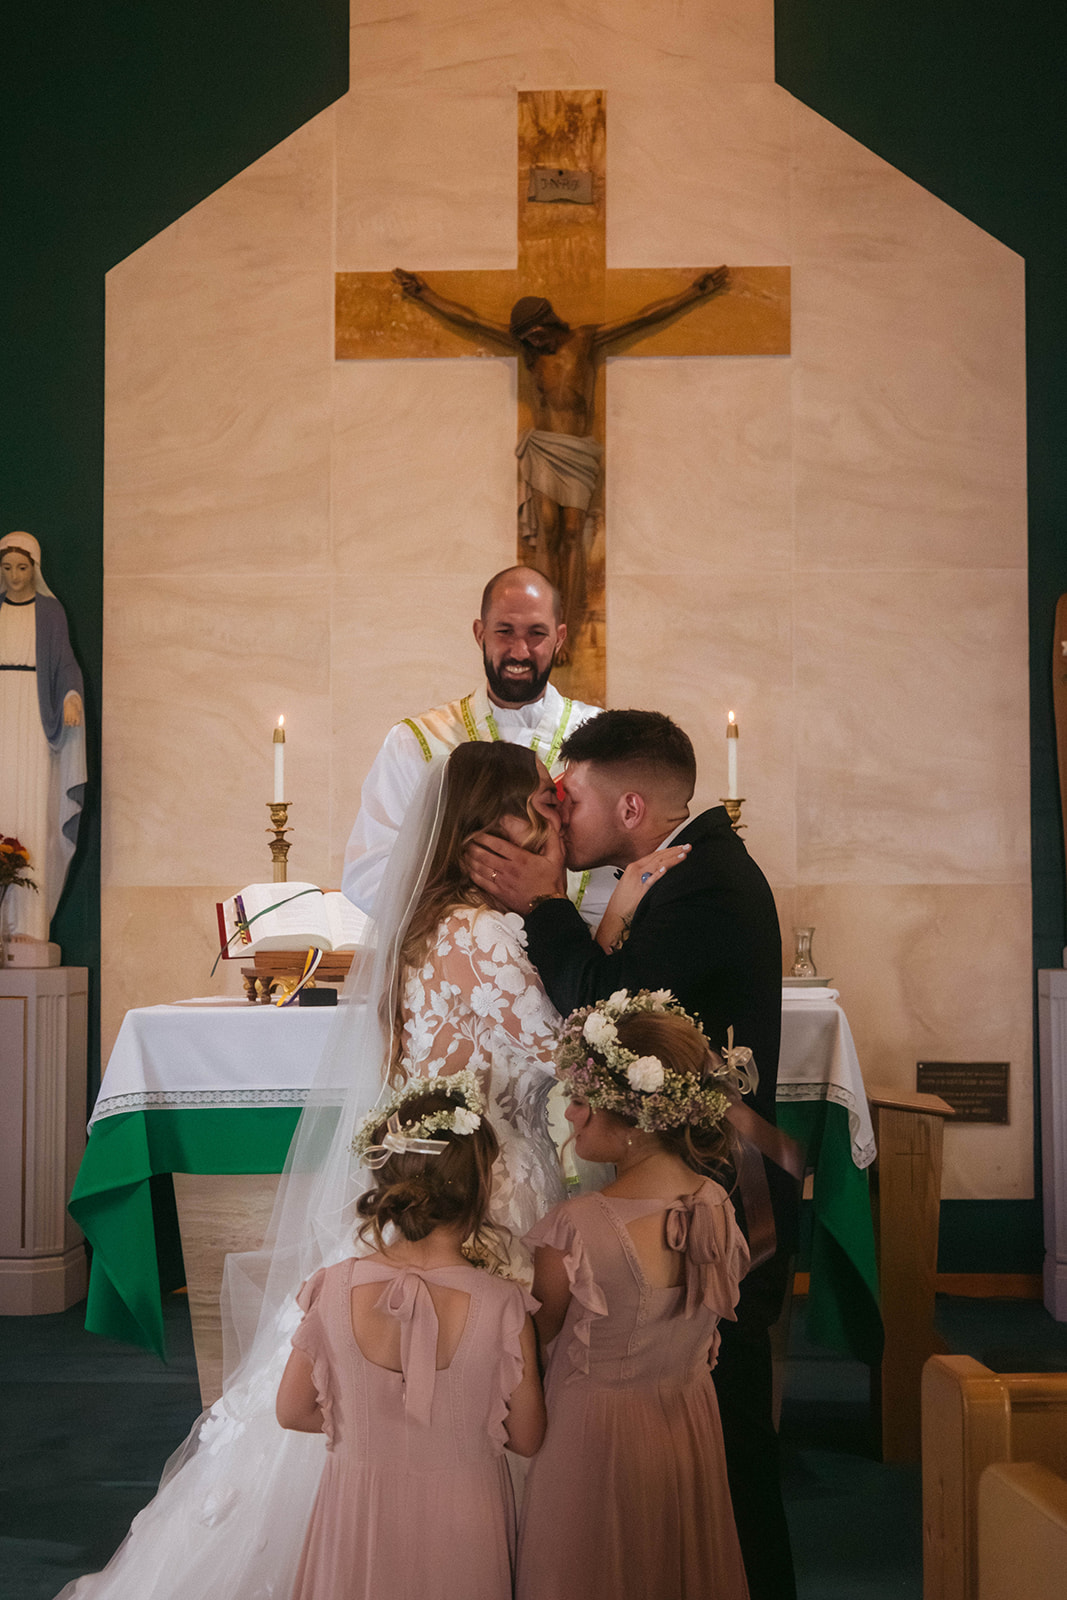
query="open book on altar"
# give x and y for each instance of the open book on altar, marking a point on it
(283, 916)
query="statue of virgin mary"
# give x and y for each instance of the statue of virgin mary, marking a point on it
(42, 736)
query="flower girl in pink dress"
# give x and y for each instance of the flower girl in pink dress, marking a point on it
(628, 1499)
(419, 1367)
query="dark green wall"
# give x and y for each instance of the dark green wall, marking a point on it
(117, 119)
(968, 99)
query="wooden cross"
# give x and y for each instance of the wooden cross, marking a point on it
(561, 256)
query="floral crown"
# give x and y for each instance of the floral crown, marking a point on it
(591, 1063)
(408, 1133)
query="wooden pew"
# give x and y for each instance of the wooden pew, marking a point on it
(1022, 1532)
(906, 1201)
(973, 1418)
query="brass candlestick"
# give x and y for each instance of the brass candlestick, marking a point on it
(279, 845)
(733, 811)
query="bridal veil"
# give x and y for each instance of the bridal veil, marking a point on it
(229, 1518)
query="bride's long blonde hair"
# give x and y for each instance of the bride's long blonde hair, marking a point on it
(484, 783)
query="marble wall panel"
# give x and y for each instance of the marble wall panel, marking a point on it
(699, 465)
(937, 972)
(698, 648)
(912, 735)
(426, 180)
(728, 194)
(195, 678)
(909, 404)
(218, 383)
(551, 44)
(400, 643)
(785, 900)
(424, 469)
(385, 45)
(161, 944)
(430, 178)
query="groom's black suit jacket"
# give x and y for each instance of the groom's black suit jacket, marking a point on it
(708, 931)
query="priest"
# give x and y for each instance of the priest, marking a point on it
(519, 631)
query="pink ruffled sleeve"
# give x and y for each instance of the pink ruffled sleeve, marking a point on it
(558, 1232)
(310, 1340)
(512, 1320)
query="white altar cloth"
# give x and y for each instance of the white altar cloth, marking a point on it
(819, 1062)
(230, 1054)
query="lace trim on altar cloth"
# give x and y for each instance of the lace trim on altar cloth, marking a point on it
(863, 1153)
(197, 1100)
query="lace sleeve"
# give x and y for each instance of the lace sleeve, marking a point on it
(476, 981)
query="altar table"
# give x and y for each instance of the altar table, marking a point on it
(210, 1086)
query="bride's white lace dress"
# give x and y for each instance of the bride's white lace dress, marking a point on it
(476, 1002)
(228, 1522)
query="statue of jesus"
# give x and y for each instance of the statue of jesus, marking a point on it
(558, 457)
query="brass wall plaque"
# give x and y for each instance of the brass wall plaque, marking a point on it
(977, 1091)
(557, 183)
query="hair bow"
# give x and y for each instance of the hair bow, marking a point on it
(740, 1067)
(398, 1143)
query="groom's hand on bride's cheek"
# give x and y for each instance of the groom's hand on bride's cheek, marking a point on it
(514, 876)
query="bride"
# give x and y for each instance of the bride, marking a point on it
(447, 987)
(469, 997)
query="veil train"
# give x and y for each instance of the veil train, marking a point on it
(229, 1517)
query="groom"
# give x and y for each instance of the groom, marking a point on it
(708, 931)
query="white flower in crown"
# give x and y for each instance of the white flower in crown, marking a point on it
(659, 998)
(599, 1030)
(645, 1074)
(464, 1121)
(616, 1003)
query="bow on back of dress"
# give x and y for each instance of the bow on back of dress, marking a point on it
(407, 1299)
(691, 1229)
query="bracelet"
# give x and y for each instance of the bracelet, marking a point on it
(539, 899)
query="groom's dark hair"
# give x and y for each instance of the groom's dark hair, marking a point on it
(645, 739)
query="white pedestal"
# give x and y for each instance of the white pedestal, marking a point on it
(1052, 1031)
(43, 1021)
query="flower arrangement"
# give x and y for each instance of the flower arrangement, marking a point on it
(410, 1132)
(14, 865)
(592, 1065)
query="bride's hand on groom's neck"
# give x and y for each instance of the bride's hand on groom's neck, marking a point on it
(512, 876)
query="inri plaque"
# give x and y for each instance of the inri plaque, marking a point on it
(557, 183)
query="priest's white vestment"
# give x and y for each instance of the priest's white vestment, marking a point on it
(391, 782)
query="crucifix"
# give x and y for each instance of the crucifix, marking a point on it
(624, 311)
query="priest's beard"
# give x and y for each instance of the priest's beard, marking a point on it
(514, 691)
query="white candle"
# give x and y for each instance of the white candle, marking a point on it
(279, 761)
(732, 736)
